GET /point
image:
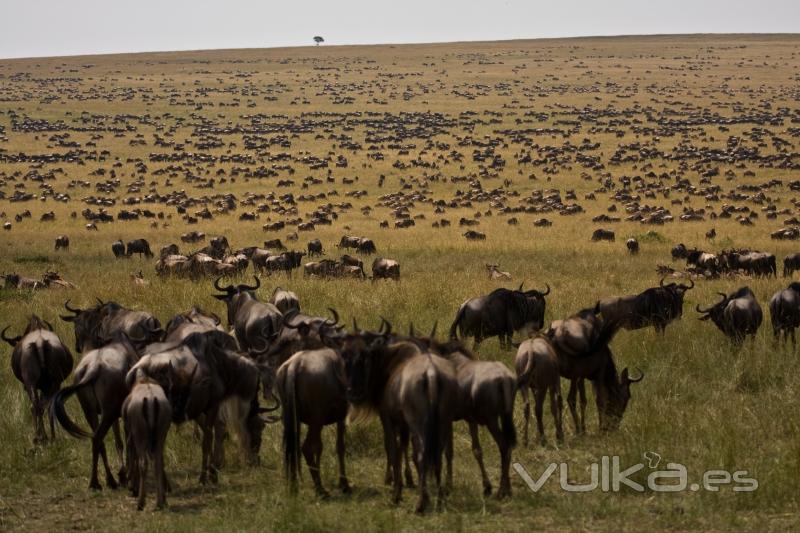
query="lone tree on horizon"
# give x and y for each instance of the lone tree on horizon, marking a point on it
(318, 40)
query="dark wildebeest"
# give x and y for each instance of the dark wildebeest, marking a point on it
(139, 246)
(193, 321)
(736, 315)
(385, 269)
(679, 252)
(284, 300)
(754, 263)
(784, 311)
(170, 249)
(603, 235)
(205, 379)
(366, 246)
(146, 416)
(274, 244)
(100, 385)
(473, 235)
(62, 242)
(415, 394)
(93, 326)
(348, 241)
(656, 306)
(791, 263)
(500, 313)
(255, 323)
(285, 262)
(704, 260)
(315, 248)
(41, 362)
(632, 245)
(118, 248)
(711, 234)
(538, 370)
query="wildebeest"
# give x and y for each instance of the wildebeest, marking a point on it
(274, 244)
(500, 313)
(62, 242)
(41, 362)
(496, 274)
(315, 248)
(704, 260)
(284, 262)
(118, 248)
(96, 324)
(632, 245)
(737, 315)
(15, 281)
(791, 263)
(146, 416)
(385, 269)
(538, 370)
(349, 241)
(255, 323)
(284, 300)
(99, 383)
(656, 306)
(366, 246)
(473, 235)
(139, 246)
(415, 395)
(168, 250)
(784, 311)
(754, 263)
(603, 235)
(679, 252)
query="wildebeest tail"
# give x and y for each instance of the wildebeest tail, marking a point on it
(524, 377)
(291, 428)
(59, 412)
(432, 446)
(507, 427)
(457, 323)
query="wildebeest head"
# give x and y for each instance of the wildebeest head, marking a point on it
(619, 394)
(360, 350)
(34, 323)
(715, 312)
(233, 293)
(87, 324)
(195, 316)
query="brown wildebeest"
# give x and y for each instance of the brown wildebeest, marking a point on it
(94, 325)
(284, 300)
(62, 241)
(256, 323)
(41, 362)
(99, 383)
(415, 394)
(537, 369)
(385, 269)
(147, 415)
(496, 274)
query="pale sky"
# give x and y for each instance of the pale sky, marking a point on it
(71, 27)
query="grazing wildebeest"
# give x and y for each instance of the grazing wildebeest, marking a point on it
(603, 235)
(285, 262)
(704, 260)
(146, 416)
(385, 269)
(415, 394)
(93, 326)
(315, 248)
(62, 242)
(100, 385)
(737, 315)
(656, 306)
(118, 248)
(473, 235)
(791, 263)
(784, 311)
(496, 274)
(711, 234)
(41, 362)
(15, 281)
(679, 252)
(255, 323)
(348, 241)
(168, 250)
(538, 370)
(366, 246)
(284, 300)
(139, 246)
(274, 244)
(754, 263)
(500, 313)
(632, 245)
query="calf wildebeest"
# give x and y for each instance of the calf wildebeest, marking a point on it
(62, 242)
(632, 245)
(146, 417)
(473, 235)
(414, 393)
(737, 315)
(385, 269)
(603, 235)
(791, 263)
(656, 306)
(284, 300)
(99, 383)
(784, 311)
(94, 325)
(537, 369)
(500, 313)
(118, 248)
(255, 323)
(315, 248)
(41, 362)
(139, 246)
(496, 274)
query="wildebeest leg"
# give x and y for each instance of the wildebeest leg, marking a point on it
(557, 408)
(344, 485)
(388, 445)
(99, 448)
(161, 478)
(582, 392)
(142, 476)
(526, 413)
(409, 476)
(119, 444)
(505, 458)
(52, 418)
(794, 341)
(539, 395)
(312, 451)
(478, 453)
(393, 456)
(422, 470)
(448, 454)
(38, 425)
(220, 433)
(571, 396)
(207, 437)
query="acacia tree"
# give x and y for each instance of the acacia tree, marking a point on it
(318, 40)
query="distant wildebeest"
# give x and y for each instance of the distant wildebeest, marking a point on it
(711, 234)
(94, 325)
(315, 248)
(737, 315)
(146, 417)
(170, 249)
(274, 244)
(496, 274)
(139, 246)
(15, 281)
(632, 245)
(500, 313)
(603, 235)
(703, 260)
(41, 362)
(791, 263)
(62, 242)
(256, 324)
(118, 248)
(193, 236)
(656, 306)
(473, 235)
(538, 372)
(99, 383)
(366, 246)
(784, 311)
(679, 252)
(415, 396)
(759, 264)
(385, 269)
(284, 300)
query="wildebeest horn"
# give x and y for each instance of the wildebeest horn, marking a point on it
(228, 288)
(661, 283)
(12, 341)
(520, 286)
(636, 380)
(355, 325)
(697, 307)
(547, 291)
(49, 325)
(410, 329)
(335, 317)
(71, 309)
(251, 288)
(388, 327)
(433, 330)
(99, 301)
(690, 286)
